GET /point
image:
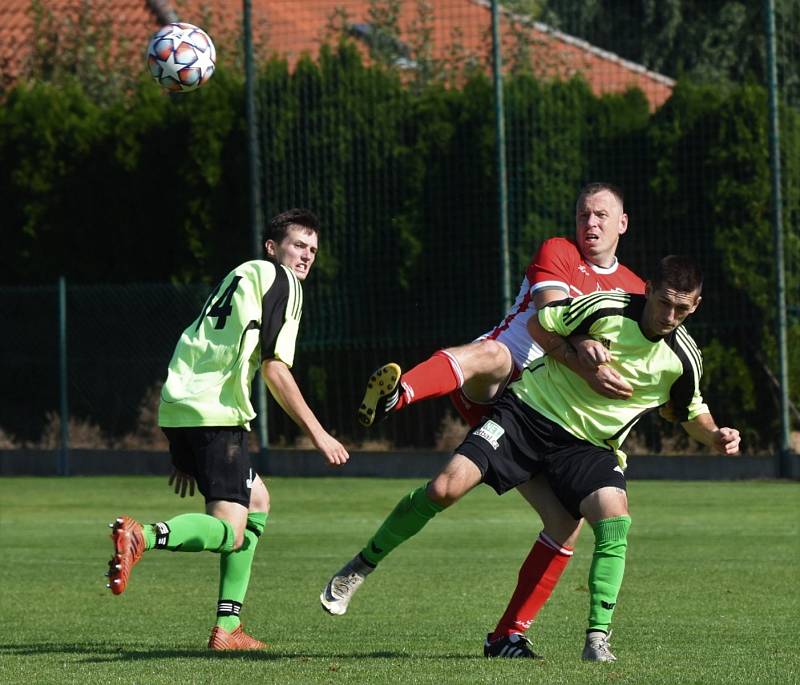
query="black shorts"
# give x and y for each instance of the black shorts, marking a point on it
(217, 458)
(516, 443)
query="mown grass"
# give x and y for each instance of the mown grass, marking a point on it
(710, 594)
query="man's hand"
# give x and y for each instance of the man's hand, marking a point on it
(703, 429)
(333, 451)
(182, 481)
(607, 382)
(593, 367)
(726, 441)
(590, 352)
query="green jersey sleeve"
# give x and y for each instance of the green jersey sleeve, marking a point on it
(568, 316)
(281, 309)
(685, 397)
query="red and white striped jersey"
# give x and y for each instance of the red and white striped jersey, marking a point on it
(557, 264)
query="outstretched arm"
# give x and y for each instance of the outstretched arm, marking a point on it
(281, 384)
(703, 429)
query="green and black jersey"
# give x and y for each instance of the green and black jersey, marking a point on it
(252, 315)
(659, 370)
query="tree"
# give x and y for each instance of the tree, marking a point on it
(706, 40)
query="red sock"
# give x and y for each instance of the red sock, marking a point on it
(537, 578)
(438, 375)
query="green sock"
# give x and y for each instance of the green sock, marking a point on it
(409, 516)
(234, 573)
(190, 533)
(607, 570)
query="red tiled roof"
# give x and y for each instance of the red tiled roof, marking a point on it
(292, 27)
(134, 19)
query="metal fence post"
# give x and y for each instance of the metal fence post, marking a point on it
(500, 136)
(256, 227)
(783, 465)
(63, 453)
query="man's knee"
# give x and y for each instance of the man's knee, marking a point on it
(235, 515)
(495, 358)
(607, 502)
(259, 497)
(442, 491)
(454, 481)
(558, 523)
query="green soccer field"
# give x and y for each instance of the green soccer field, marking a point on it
(710, 594)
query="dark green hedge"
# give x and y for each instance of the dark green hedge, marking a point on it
(154, 188)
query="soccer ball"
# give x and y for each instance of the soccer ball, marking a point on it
(181, 57)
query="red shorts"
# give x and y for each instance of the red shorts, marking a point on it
(474, 412)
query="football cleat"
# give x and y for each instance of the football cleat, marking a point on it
(341, 588)
(221, 640)
(596, 647)
(514, 646)
(128, 537)
(381, 395)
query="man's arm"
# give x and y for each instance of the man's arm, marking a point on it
(703, 429)
(586, 357)
(281, 384)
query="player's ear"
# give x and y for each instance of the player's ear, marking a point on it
(623, 223)
(269, 246)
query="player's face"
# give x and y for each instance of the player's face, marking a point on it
(599, 222)
(666, 309)
(297, 250)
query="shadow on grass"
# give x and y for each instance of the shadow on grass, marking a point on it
(105, 653)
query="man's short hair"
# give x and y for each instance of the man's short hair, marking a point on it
(597, 187)
(278, 227)
(678, 272)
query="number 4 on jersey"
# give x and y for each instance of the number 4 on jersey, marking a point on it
(222, 307)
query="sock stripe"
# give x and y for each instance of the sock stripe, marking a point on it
(408, 392)
(547, 541)
(391, 401)
(228, 607)
(455, 366)
(162, 531)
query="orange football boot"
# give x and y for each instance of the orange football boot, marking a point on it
(222, 640)
(128, 537)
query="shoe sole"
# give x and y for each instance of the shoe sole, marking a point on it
(121, 538)
(381, 383)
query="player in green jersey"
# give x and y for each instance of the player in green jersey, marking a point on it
(248, 323)
(551, 422)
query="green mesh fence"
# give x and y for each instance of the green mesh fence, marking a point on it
(380, 115)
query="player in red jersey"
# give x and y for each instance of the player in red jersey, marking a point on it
(476, 373)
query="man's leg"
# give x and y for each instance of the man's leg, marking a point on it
(410, 515)
(184, 533)
(235, 568)
(481, 367)
(606, 510)
(547, 560)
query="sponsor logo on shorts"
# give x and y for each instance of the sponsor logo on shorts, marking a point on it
(491, 432)
(618, 468)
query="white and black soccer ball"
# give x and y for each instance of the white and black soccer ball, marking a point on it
(181, 57)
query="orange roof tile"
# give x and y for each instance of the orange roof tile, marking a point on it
(292, 27)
